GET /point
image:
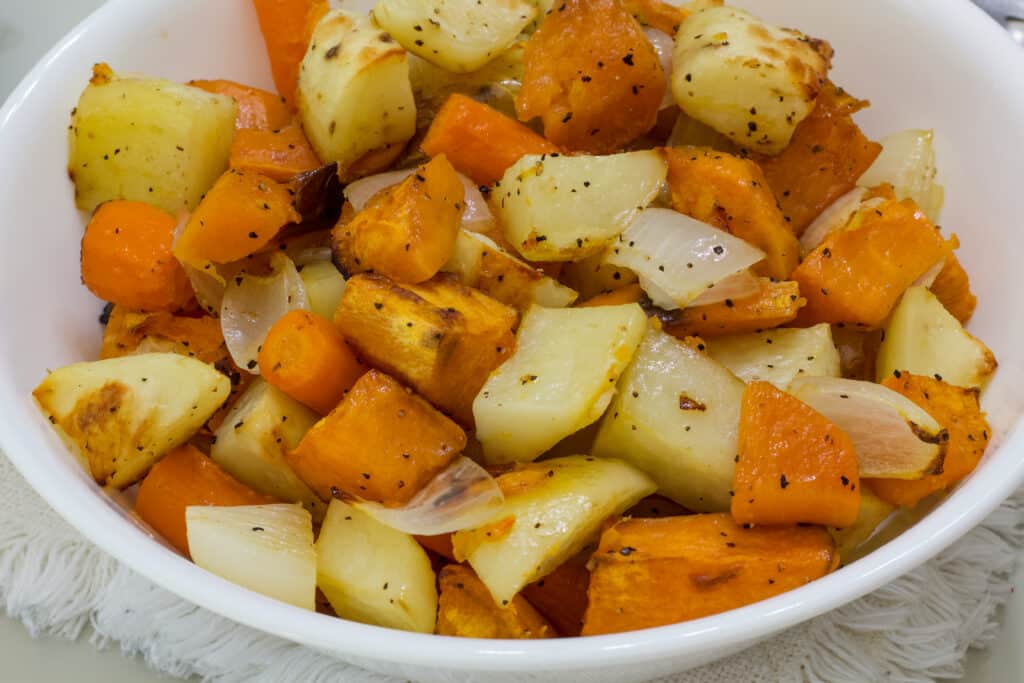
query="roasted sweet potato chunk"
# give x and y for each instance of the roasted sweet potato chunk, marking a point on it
(775, 304)
(382, 443)
(652, 572)
(279, 154)
(561, 596)
(592, 76)
(257, 109)
(953, 288)
(466, 608)
(440, 337)
(732, 194)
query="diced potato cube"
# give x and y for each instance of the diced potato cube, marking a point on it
(676, 417)
(121, 415)
(252, 442)
(748, 80)
(374, 574)
(440, 337)
(148, 140)
(558, 208)
(382, 443)
(923, 338)
(354, 94)
(595, 275)
(324, 286)
(560, 379)
(552, 510)
(466, 609)
(907, 162)
(851, 539)
(265, 548)
(777, 356)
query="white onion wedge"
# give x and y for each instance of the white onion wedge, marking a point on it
(463, 496)
(476, 213)
(907, 162)
(253, 303)
(738, 286)
(265, 548)
(678, 258)
(894, 438)
(664, 46)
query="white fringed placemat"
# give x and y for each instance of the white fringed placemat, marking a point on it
(915, 630)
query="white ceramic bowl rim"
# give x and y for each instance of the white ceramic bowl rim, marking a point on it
(969, 504)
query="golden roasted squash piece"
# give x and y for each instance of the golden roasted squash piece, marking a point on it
(466, 608)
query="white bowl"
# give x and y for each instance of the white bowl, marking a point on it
(939, 64)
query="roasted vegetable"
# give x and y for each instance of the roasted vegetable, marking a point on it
(186, 477)
(953, 288)
(440, 337)
(652, 572)
(254, 439)
(777, 356)
(169, 160)
(552, 510)
(676, 417)
(560, 379)
(265, 548)
(121, 415)
(775, 304)
(592, 76)
(907, 162)
(287, 26)
(959, 412)
(561, 596)
(923, 338)
(382, 443)
(405, 232)
(732, 194)
(850, 539)
(456, 35)
(279, 154)
(748, 80)
(557, 208)
(374, 574)
(793, 466)
(595, 275)
(466, 609)
(257, 109)
(127, 260)
(354, 94)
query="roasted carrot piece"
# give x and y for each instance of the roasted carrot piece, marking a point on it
(127, 259)
(307, 358)
(630, 294)
(657, 14)
(381, 443)
(257, 109)
(652, 572)
(775, 304)
(793, 466)
(823, 161)
(440, 337)
(732, 194)
(440, 544)
(856, 275)
(406, 232)
(465, 608)
(959, 412)
(592, 76)
(561, 596)
(182, 478)
(953, 288)
(240, 215)
(278, 154)
(287, 26)
(480, 142)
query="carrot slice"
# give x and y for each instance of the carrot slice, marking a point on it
(287, 26)
(127, 259)
(479, 141)
(592, 76)
(240, 215)
(953, 288)
(858, 274)
(182, 478)
(823, 161)
(406, 232)
(732, 194)
(257, 109)
(794, 466)
(959, 412)
(775, 304)
(382, 443)
(652, 572)
(277, 154)
(306, 357)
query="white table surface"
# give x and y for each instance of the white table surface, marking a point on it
(27, 29)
